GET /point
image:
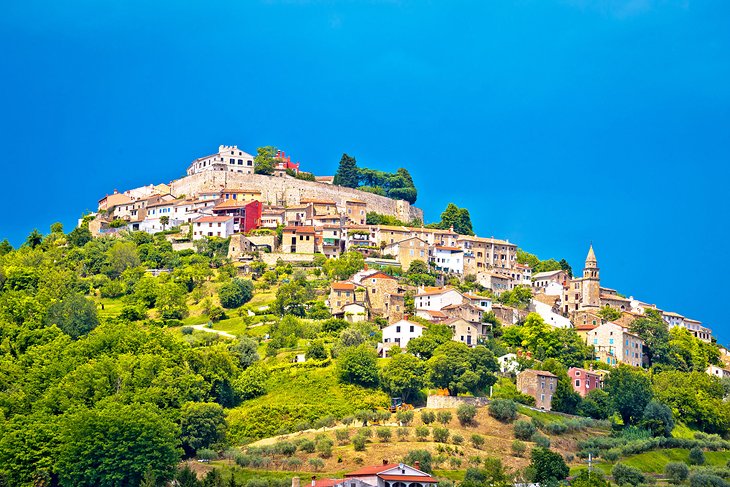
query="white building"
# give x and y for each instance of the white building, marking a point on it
(213, 226)
(693, 326)
(549, 316)
(155, 212)
(399, 333)
(228, 158)
(448, 259)
(551, 282)
(718, 372)
(436, 298)
(508, 363)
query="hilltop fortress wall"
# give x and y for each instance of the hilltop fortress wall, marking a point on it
(288, 191)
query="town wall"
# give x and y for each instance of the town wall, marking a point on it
(452, 402)
(290, 191)
(271, 258)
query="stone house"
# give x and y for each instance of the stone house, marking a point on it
(539, 384)
(298, 240)
(408, 250)
(356, 211)
(228, 158)
(613, 343)
(481, 254)
(464, 331)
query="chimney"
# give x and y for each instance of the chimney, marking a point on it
(385, 461)
(417, 465)
(295, 482)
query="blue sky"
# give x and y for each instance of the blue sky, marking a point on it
(556, 123)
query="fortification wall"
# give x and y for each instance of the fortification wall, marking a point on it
(290, 191)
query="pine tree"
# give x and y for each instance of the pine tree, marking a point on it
(347, 174)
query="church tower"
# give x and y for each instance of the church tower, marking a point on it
(591, 295)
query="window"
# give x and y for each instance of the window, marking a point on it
(577, 382)
(397, 329)
(412, 329)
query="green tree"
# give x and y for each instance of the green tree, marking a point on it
(652, 329)
(291, 299)
(403, 376)
(316, 350)
(676, 472)
(34, 239)
(344, 266)
(121, 256)
(596, 404)
(630, 392)
(235, 293)
(347, 173)
(264, 160)
(358, 365)
(246, 349)
(423, 457)
(252, 382)
(74, 315)
(203, 424)
(115, 444)
(658, 419)
(457, 368)
(5, 247)
(625, 475)
(164, 221)
(455, 217)
(520, 297)
(171, 301)
(548, 465)
(609, 314)
(587, 478)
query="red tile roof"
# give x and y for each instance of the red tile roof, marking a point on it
(374, 470)
(213, 219)
(427, 479)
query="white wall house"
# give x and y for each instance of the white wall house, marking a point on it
(549, 316)
(551, 281)
(151, 223)
(437, 298)
(448, 259)
(213, 226)
(228, 158)
(400, 333)
(508, 363)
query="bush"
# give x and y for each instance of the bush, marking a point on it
(207, 454)
(307, 446)
(187, 330)
(427, 417)
(235, 293)
(423, 457)
(285, 448)
(440, 435)
(518, 448)
(366, 432)
(324, 447)
(444, 417)
(358, 442)
(384, 434)
(316, 464)
(700, 479)
(524, 430)
(503, 410)
(696, 456)
(466, 414)
(404, 417)
(625, 475)
(477, 441)
(342, 436)
(422, 433)
(611, 455)
(676, 472)
(457, 439)
(402, 433)
(541, 440)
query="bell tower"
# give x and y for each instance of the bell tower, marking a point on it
(591, 295)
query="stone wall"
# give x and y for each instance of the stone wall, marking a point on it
(290, 191)
(451, 402)
(271, 258)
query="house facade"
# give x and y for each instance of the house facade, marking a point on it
(539, 384)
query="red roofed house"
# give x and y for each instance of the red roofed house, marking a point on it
(385, 475)
(213, 226)
(246, 215)
(584, 381)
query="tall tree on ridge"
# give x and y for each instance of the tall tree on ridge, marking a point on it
(347, 174)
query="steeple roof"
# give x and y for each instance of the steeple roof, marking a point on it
(591, 255)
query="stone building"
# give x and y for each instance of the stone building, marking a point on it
(408, 250)
(299, 240)
(483, 254)
(539, 384)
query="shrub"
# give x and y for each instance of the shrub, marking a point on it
(518, 448)
(187, 330)
(444, 417)
(625, 475)
(324, 447)
(427, 417)
(441, 435)
(524, 430)
(556, 428)
(701, 479)
(541, 440)
(696, 456)
(285, 448)
(366, 432)
(348, 420)
(422, 433)
(402, 433)
(316, 464)
(307, 446)
(384, 434)
(207, 454)
(455, 462)
(466, 414)
(343, 436)
(477, 441)
(457, 439)
(293, 463)
(676, 472)
(611, 455)
(358, 442)
(503, 410)
(404, 417)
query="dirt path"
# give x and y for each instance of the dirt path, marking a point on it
(211, 330)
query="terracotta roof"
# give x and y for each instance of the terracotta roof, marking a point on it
(374, 470)
(318, 202)
(486, 240)
(161, 203)
(453, 249)
(587, 327)
(226, 190)
(614, 297)
(302, 229)
(474, 296)
(343, 286)
(213, 219)
(435, 314)
(379, 275)
(541, 372)
(429, 291)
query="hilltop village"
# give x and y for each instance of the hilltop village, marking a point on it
(298, 220)
(252, 324)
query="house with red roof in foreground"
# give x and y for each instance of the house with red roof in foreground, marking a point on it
(385, 475)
